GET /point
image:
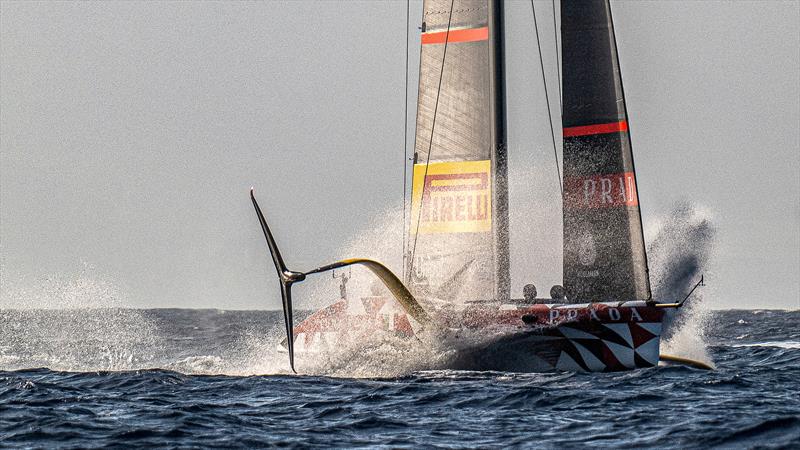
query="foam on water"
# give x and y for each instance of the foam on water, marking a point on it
(777, 344)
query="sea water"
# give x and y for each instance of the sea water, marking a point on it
(210, 378)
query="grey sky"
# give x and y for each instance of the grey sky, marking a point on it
(130, 133)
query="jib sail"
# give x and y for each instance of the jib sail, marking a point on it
(604, 254)
(457, 252)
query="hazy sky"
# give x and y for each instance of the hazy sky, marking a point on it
(130, 133)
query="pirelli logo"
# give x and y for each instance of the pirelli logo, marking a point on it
(454, 197)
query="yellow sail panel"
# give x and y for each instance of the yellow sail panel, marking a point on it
(451, 197)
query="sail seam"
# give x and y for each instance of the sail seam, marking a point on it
(431, 13)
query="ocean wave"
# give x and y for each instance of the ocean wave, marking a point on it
(776, 344)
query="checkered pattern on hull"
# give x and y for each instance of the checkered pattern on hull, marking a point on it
(599, 347)
(595, 337)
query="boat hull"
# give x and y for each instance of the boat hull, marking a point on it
(592, 337)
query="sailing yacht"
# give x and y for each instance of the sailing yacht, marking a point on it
(603, 316)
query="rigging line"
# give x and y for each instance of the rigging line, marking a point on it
(430, 142)
(558, 58)
(547, 100)
(405, 139)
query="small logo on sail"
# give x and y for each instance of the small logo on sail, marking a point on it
(587, 256)
(587, 253)
(455, 197)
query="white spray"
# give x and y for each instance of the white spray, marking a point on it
(72, 322)
(679, 253)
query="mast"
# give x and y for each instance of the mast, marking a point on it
(604, 253)
(500, 153)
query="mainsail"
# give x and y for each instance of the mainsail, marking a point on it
(604, 254)
(457, 235)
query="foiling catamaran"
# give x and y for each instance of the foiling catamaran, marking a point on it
(603, 318)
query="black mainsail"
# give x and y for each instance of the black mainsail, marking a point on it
(604, 253)
(458, 231)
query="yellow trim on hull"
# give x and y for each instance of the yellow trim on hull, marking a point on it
(685, 361)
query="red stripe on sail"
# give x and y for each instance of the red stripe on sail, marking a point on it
(465, 35)
(602, 128)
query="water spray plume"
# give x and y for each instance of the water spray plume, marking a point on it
(680, 252)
